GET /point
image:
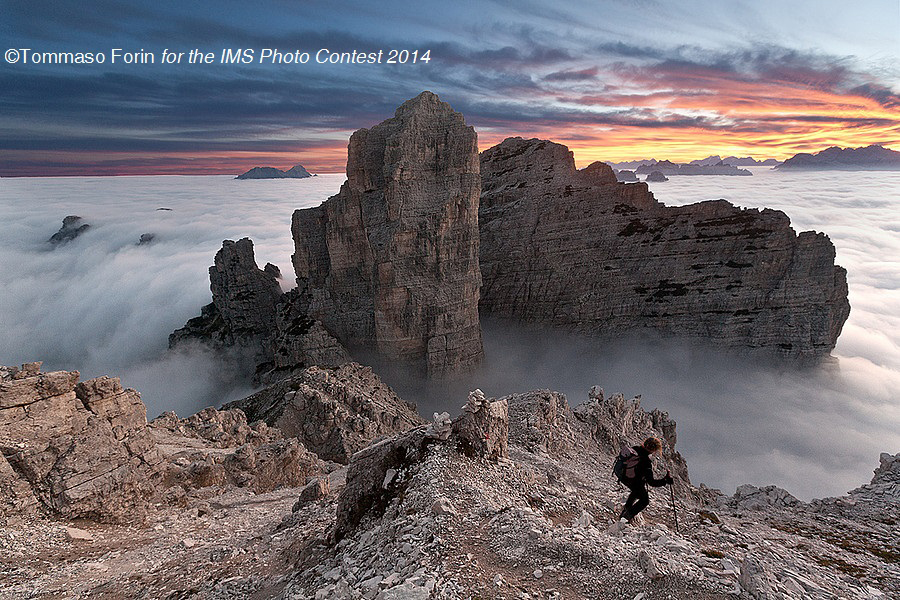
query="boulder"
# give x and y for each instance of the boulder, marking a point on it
(483, 427)
(368, 489)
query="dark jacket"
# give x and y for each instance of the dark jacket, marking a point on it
(644, 470)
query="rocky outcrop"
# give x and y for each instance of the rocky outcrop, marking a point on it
(541, 422)
(72, 227)
(251, 317)
(375, 476)
(85, 450)
(606, 259)
(379, 474)
(242, 313)
(81, 449)
(295, 172)
(626, 176)
(746, 161)
(335, 412)
(391, 262)
(483, 427)
(869, 158)
(656, 176)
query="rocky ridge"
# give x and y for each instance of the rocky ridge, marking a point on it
(869, 158)
(391, 262)
(667, 167)
(539, 522)
(602, 257)
(513, 499)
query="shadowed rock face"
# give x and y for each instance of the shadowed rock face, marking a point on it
(560, 249)
(250, 316)
(391, 262)
(72, 227)
(242, 313)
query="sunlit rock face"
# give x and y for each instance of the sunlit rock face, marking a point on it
(567, 248)
(391, 262)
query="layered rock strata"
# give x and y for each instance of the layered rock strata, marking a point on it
(335, 412)
(564, 249)
(85, 450)
(74, 449)
(250, 316)
(391, 262)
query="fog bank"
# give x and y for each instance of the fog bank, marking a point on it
(101, 304)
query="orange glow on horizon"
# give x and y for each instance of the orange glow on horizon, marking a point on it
(679, 120)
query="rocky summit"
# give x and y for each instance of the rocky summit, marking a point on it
(391, 262)
(251, 320)
(568, 248)
(512, 499)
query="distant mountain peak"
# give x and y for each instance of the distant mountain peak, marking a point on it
(295, 172)
(874, 157)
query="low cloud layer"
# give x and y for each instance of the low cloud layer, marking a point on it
(103, 305)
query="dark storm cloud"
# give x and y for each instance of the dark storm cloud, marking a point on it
(573, 75)
(884, 96)
(621, 49)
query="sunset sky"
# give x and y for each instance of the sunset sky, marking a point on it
(613, 80)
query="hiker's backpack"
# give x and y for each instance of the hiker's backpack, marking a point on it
(625, 467)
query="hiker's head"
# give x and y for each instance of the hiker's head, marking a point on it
(651, 445)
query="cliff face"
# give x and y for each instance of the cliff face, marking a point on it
(563, 250)
(391, 262)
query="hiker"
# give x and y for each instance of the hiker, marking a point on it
(637, 478)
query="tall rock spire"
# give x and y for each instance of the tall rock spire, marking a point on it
(391, 262)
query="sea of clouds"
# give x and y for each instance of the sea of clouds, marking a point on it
(101, 304)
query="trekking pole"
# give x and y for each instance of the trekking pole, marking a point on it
(674, 510)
